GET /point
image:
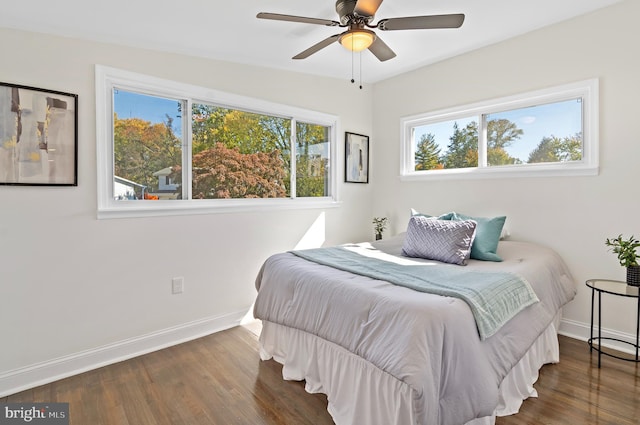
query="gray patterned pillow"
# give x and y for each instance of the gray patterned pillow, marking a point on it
(441, 240)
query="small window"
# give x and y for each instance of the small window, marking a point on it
(313, 163)
(147, 145)
(547, 132)
(170, 148)
(446, 145)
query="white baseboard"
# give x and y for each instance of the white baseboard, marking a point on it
(31, 376)
(24, 378)
(582, 331)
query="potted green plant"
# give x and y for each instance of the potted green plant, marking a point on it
(625, 249)
(379, 224)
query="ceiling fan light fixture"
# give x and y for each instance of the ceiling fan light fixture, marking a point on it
(357, 40)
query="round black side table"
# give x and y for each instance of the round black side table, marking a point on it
(617, 288)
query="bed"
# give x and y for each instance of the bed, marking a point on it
(388, 354)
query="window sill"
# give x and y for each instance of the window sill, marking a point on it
(502, 172)
(140, 209)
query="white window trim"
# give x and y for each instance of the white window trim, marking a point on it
(107, 78)
(587, 89)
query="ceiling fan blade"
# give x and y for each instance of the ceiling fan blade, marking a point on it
(422, 22)
(367, 7)
(316, 47)
(380, 50)
(291, 18)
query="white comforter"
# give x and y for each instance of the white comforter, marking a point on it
(429, 342)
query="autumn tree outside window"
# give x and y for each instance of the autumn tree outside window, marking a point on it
(170, 148)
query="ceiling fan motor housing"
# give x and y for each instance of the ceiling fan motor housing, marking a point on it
(345, 10)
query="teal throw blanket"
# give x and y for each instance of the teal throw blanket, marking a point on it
(494, 298)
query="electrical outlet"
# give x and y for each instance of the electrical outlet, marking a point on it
(177, 285)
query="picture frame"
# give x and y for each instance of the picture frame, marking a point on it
(38, 136)
(356, 158)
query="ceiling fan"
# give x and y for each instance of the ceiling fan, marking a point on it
(357, 15)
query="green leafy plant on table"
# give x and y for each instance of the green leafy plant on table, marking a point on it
(625, 249)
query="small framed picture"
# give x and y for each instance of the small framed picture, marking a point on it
(356, 164)
(38, 136)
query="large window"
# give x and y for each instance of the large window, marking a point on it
(548, 132)
(166, 147)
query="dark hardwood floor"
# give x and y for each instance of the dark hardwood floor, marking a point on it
(219, 379)
(575, 391)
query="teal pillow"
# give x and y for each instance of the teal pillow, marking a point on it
(487, 237)
(447, 216)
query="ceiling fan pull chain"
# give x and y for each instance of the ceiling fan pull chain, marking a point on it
(352, 67)
(360, 70)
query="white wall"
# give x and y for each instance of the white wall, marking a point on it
(77, 291)
(574, 215)
(65, 307)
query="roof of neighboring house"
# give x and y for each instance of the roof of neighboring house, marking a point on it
(163, 172)
(127, 182)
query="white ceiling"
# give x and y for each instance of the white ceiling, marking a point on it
(229, 30)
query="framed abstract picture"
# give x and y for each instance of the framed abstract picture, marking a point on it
(38, 136)
(356, 158)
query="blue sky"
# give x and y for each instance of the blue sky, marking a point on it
(561, 119)
(149, 108)
(154, 109)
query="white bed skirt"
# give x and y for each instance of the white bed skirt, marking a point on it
(360, 393)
